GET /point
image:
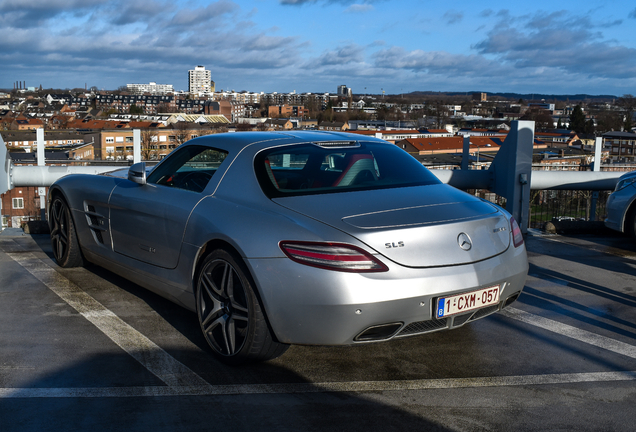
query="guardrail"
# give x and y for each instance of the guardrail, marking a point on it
(509, 175)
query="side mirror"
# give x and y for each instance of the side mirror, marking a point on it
(137, 173)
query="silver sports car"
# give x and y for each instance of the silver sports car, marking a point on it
(278, 238)
(621, 205)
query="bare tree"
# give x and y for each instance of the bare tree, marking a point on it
(182, 132)
(149, 144)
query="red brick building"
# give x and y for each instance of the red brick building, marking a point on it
(20, 205)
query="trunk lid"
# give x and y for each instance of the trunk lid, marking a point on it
(423, 226)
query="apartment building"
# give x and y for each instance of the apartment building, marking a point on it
(27, 140)
(156, 143)
(150, 104)
(200, 80)
(152, 88)
(286, 111)
(621, 146)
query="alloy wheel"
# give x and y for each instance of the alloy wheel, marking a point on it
(223, 307)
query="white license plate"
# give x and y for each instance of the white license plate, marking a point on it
(468, 301)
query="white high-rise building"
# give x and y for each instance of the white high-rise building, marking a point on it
(199, 80)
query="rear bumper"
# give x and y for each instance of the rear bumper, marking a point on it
(306, 305)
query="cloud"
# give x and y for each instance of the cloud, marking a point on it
(33, 13)
(453, 17)
(559, 41)
(190, 17)
(343, 55)
(352, 3)
(359, 8)
(137, 11)
(434, 62)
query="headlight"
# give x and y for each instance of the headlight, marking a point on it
(622, 184)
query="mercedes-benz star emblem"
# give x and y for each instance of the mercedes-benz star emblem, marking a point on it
(464, 241)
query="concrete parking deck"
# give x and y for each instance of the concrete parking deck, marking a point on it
(83, 349)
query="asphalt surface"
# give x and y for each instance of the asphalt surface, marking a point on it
(85, 350)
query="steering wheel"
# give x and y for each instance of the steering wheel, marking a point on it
(195, 181)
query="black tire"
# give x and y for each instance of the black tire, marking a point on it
(229, 312)
(66, 248)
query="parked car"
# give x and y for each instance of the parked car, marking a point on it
(621, 205)
(318, 238)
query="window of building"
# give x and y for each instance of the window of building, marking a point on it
(18, 203)
(110, 140)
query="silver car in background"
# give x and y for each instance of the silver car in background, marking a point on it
(278, 238)
(621, 205)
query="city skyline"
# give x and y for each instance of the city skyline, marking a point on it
(315, 45)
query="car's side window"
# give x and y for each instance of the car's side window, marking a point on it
(189, 168)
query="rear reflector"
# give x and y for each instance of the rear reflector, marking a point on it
(332, 256)
(517, 237)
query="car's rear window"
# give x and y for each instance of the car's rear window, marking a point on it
(311, 169)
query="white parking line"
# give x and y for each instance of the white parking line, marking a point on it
(181, 381)
(571, 332)
(142, 349)
(350, 387)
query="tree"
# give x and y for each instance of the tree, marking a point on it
(577, 119)
(181, 132)
(134, 109)
(540, 116)
(149, 145)
(607, 121)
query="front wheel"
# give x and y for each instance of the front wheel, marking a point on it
(66, 249)
(230, 314)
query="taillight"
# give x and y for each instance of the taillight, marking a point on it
(332, 256)
(517, 237)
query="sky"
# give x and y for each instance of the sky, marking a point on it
(371, 46)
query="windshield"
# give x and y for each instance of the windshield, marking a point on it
(311, 169)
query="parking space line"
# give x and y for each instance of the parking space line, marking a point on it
(150, 355)
(571, 332)
(350, 387)
(181, 381)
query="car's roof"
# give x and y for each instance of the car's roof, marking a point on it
(261, 140)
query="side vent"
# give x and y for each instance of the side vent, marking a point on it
(96, 223)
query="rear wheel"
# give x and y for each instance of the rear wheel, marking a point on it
(230, 314)
(66, 249)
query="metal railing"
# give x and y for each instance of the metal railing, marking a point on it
(510, 177)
